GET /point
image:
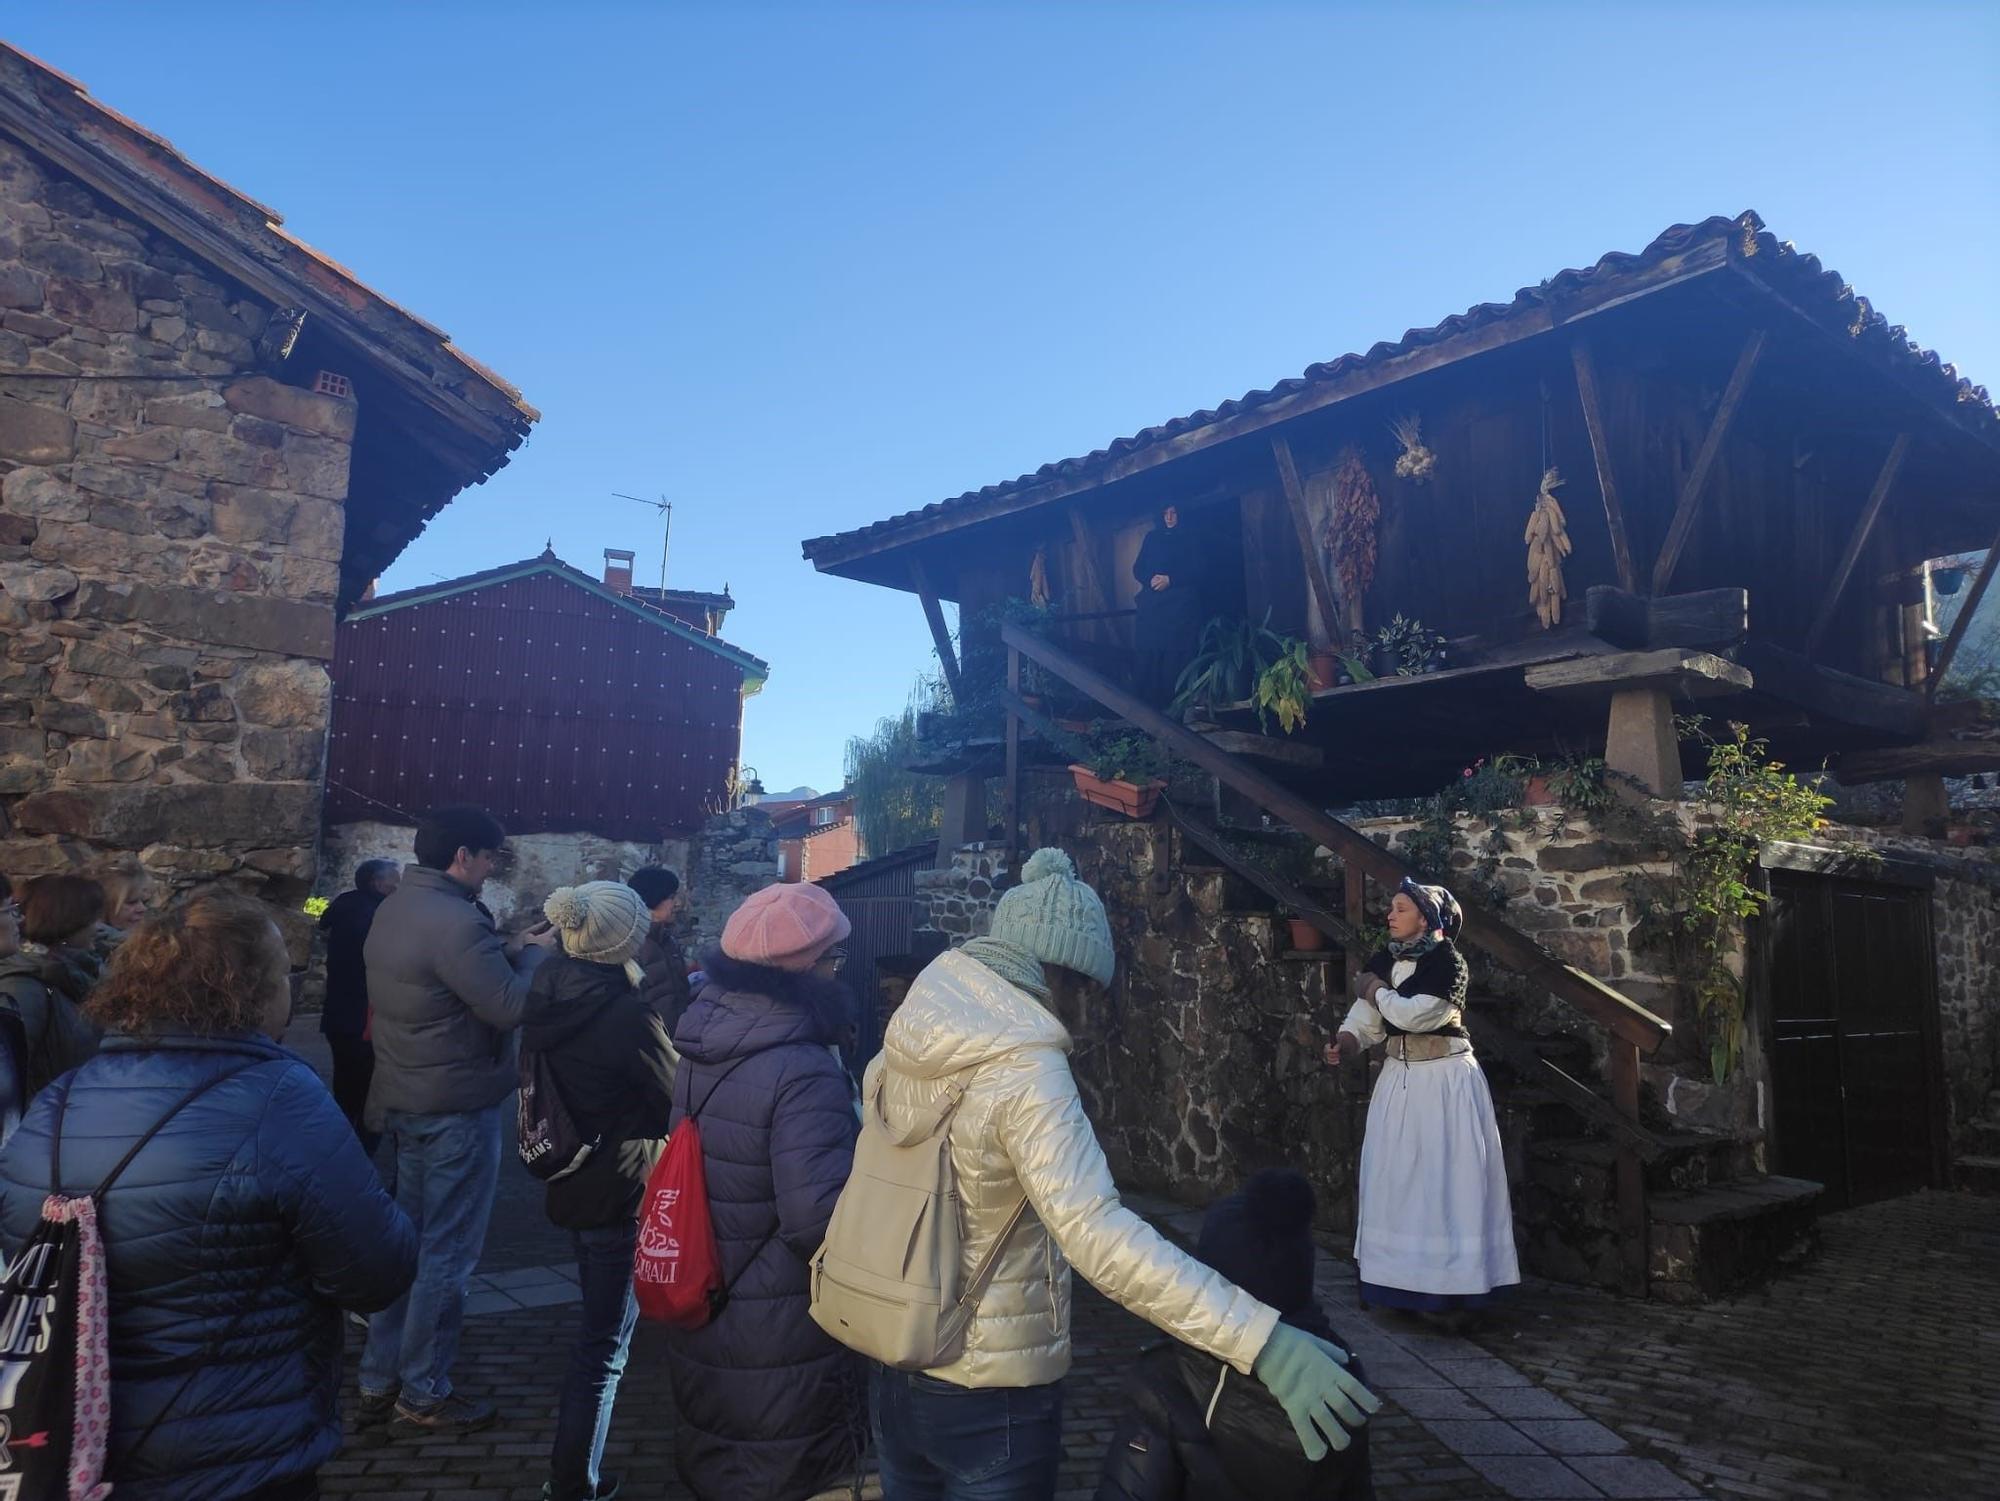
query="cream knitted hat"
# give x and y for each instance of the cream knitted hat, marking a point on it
(601, 922)
(1057, 918)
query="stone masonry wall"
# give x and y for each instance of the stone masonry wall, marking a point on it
(956, 901)
(734, 855)
(540, 863)
(171, 526)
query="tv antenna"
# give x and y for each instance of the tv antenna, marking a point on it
(666, 509)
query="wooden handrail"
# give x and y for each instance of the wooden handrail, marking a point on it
(1483, 929)
(1273, 885)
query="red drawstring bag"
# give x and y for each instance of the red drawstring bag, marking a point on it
(677, 1269)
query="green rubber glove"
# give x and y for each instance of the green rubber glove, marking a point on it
(1310, 1379)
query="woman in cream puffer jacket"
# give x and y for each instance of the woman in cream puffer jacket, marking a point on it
(977, 1019)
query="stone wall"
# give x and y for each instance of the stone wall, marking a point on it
(734, 855)
(539, 864)
(956, 900)
(171, 526)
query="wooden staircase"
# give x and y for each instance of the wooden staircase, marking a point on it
(1600, 1197)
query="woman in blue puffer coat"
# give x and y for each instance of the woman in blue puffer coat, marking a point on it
(768, 1406)
(239, 1232)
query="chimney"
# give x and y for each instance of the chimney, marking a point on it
(618, 570)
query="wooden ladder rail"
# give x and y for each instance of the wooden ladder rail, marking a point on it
(1634, 1031)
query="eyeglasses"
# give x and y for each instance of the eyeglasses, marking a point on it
(838, 958)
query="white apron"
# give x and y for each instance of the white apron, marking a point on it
(1435, 1216)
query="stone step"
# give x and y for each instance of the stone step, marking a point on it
(1977, 1174)
(1718, 1241)
(1980, 1139)
(1689, 1160)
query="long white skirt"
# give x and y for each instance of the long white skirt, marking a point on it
(1435, 1216)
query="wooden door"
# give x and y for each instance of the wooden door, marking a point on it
(1855, 1073)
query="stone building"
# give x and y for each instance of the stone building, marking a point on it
(212, 438)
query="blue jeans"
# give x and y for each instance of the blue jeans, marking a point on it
(939, 1442)
(603, 1339)
(446, 1170)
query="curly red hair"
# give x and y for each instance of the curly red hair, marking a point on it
(207, 965)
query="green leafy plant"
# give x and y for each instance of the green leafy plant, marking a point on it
(1113, 755)
(1411, 645)
(1285, 688)
(1228, 662)
(1695, 916)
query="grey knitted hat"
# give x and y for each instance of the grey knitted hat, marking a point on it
(601, 922)
(1057, 918)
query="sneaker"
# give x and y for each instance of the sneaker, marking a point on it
(375, 1408)
(454, 1415)
(607, 1490)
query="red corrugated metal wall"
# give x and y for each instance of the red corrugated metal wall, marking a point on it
(554, 708)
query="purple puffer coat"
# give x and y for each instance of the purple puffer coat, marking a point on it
(768, 1405)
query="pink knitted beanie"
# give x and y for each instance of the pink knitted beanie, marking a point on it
(785, 927)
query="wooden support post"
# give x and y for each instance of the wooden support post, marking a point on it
(1086, 551)
(1640, 742)
(1295, 501)
(1600, 451)
(1013, 841)
(1958, 627)
(1863, 529)
(1354, 891)
(934, 616)
(1634, 1236)
(964, 813)
(1697, 477)
(1926, 806)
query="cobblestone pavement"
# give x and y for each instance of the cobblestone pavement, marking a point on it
(1871, 1373)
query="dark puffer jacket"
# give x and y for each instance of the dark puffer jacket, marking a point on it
(768, 1405)
(256, 1195)
(1198, 1431)
(46, 989)
(609, 1055)
(666, 987)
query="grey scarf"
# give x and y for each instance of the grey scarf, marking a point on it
(1011, 963)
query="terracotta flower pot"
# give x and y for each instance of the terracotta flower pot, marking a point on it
(1128, 798)
(1306, 939)
(1322, 670)
(1535, 792)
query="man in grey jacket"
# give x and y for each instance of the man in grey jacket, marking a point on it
(447, 996)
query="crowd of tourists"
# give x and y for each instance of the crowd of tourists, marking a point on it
(237, 1212)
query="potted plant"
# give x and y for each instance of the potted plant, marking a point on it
(1285, 688)
(1232, 655)
(1323, 666)
(1406, 648)
(1306, 939)
(1122, 772)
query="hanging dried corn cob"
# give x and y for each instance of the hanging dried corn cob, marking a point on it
(1548, 544)
(1350, 531)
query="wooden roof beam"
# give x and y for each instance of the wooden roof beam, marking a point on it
(934, 617)
(1966, 611)
(1600, 451)
(1295, 502)
(1864, 528)
(1711, 445)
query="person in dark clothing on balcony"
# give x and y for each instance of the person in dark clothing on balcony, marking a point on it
(1170, 573)
(344, 1020)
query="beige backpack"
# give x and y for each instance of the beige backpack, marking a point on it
(886, 1280)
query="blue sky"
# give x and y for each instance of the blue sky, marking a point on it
(805, 267)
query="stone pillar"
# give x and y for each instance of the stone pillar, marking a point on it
(1640, 742)
(1926, 806)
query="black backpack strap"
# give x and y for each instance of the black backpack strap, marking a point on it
(62, 1106)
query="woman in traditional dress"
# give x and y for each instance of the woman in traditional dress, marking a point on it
(1436, 1233)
